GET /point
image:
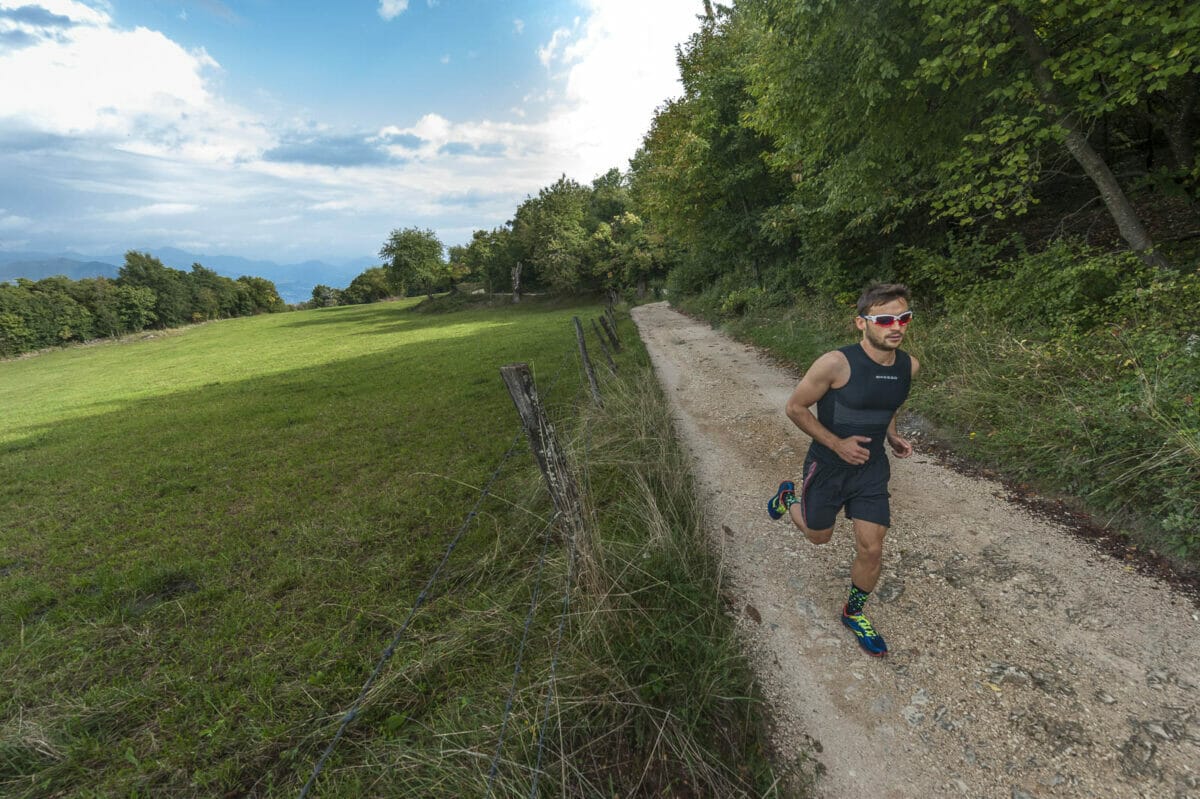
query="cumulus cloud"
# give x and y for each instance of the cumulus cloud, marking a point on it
(82, 76)
(390, 9)
(136, 147)
(330, 150)
(549, 51)
(621, 67)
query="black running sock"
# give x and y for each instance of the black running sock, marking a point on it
(858, 598)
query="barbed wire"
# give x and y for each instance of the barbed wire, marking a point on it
(391, 648)
(388, 652)
(552, 684)
(533, 602)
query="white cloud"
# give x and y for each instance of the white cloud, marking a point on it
(13, 221)
(390, 9)
(145, 152)
(133, 86)
(621, 67)
(547, 53)
(152, 210)
(518, 26)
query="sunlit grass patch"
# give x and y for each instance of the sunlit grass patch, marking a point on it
(209, 538)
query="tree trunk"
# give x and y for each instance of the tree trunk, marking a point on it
(1179, 127)
(641, 288)
(516, 281)
(1122, 211)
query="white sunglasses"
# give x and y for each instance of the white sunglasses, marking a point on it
(889, 319)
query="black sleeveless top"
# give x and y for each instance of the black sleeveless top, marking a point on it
(865, 405)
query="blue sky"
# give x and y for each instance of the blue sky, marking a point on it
(296, 130)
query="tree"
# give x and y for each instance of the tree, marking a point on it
(550, 229)
(1045, 74)
(372, 285)
(702, 176)
(325, 296)
(259, 295)
(413, 258)
(170, 286)
(135, 308)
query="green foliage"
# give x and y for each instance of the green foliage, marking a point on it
(550, 230)
(372, 285)
(738, 301)
(413, 258)
(170, 287)
(701, 180)
(57, 310)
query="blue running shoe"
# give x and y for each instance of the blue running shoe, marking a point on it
(871, 641)
(777, 506)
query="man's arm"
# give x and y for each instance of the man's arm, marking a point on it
(830, 369)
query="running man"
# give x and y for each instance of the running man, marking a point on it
(857, 390)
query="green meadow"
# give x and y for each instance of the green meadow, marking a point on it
(209, 536)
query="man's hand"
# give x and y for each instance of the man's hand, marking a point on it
(852, 451)
(901, 446)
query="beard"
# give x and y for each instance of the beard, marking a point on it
(880, 340)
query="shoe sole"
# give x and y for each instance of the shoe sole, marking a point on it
(770, 511)
(861, 645)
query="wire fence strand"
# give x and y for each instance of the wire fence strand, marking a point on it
(391, 648)
(533, 603)
(551, 685)
(388, 652)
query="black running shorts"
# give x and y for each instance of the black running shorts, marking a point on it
(861, 490)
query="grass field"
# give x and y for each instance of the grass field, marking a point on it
(208, 537)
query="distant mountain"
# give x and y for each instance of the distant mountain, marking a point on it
(293, 281)
(49, 267)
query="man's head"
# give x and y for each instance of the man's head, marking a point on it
(883, 314)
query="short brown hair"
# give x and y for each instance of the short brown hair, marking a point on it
(880, 293)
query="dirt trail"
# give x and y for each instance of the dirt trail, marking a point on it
(1024, 662)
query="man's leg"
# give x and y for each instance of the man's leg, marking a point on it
(812, 506)
(815, 536)
(868, 554)
(864, 574)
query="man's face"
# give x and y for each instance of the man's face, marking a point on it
(884, 338)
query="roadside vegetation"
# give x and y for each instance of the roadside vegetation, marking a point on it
(1029, 169)
(211, 536)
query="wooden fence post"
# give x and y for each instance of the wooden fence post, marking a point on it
(551, 459)
(612, 365)
(587, 363)
(612, 333)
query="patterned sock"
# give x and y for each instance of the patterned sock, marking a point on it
(790, 499)
(858, 598)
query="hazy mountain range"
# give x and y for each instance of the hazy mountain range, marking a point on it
(294, 281)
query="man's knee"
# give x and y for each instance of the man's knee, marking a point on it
(818, 536)
(869, 541)
(871, 551)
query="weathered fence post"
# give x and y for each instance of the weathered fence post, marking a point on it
(516, 282)
(551, 459)
(611, 329)
(612, 365)
(587, 363)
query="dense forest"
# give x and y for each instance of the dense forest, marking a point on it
(57, 310)
(1030, 170)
